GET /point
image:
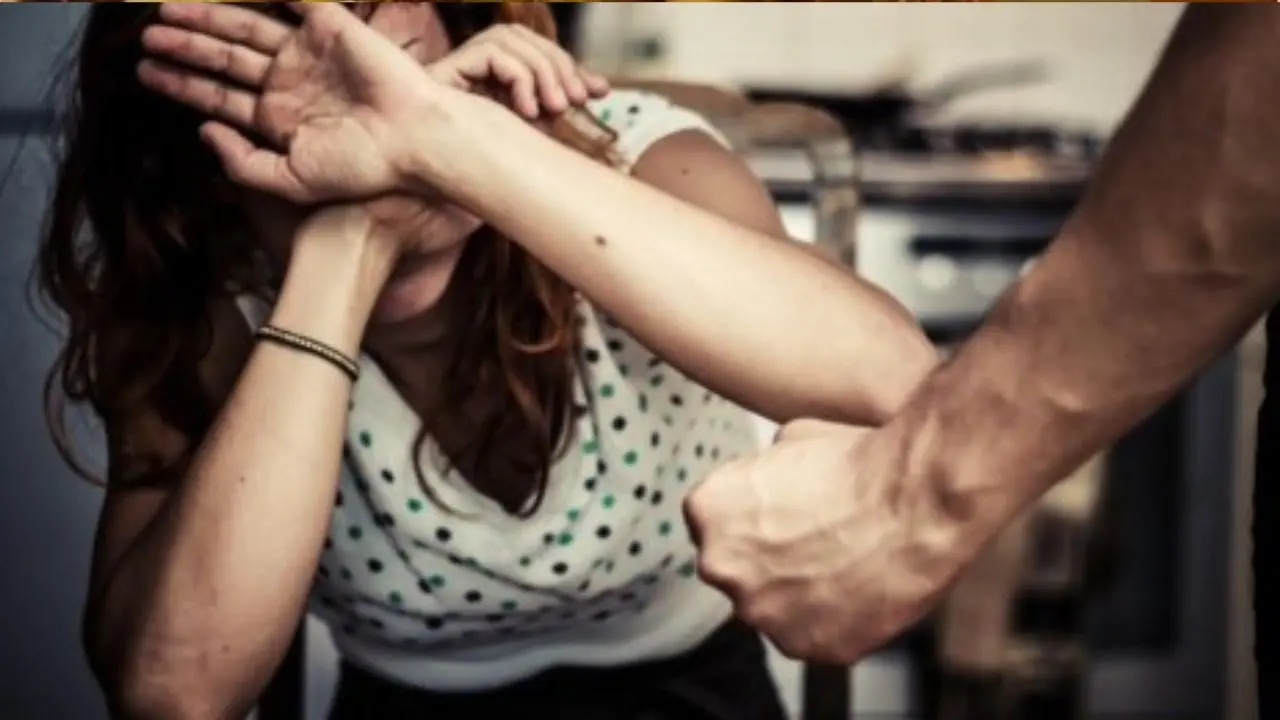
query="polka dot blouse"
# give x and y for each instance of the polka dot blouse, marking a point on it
(602, 573)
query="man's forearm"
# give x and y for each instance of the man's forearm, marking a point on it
(1171, 256)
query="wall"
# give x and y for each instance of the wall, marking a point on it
(1098, 54)
(46, 513)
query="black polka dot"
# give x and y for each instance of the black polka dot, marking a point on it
(654, 361)
(584, 586)
(666, 561)
(698, 450)
(656, 380)
(328, 544)
(627, 596)
(677, 400)
(644, 403)
(375, 565)
(473, 596)
(322, 571)
(602, 616)
(384, 520)
(424, 585)
(619, 423)
(634, 548)
(603, 532)
(715, 453)
(590, 483)
(592, 355)
(456, 560)
(560, 568)
(633, 110)
(602, 467)
(640, 492)
(657, 498)
(549, 539)
(494, 618)
(655, 439)
(622, 370)
(433, 623)
(614, 345)
(377, 624)
(443, 534)
(388, 476)
(649, 579)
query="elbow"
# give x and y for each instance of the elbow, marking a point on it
(142, 686)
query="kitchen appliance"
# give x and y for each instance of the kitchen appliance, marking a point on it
(947, 218)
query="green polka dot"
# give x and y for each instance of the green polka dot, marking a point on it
(664, 527)
(525, 562)
(682, 474)
(415, 505)
(608, 501)
(630, 457)
(590, 447)
(606, 390)
(436, 581)
(686, 570)
(605, 114)
(509, 605)
(355, 533)
(565, 538)
(395, 598)
(608, 566)
(365, 438)
(573, 514)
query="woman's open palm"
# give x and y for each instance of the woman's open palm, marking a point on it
(326, 96)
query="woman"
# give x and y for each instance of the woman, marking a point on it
(502, 532)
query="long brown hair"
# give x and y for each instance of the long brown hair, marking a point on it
(144, 236)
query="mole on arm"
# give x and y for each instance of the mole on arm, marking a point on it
(601, 241)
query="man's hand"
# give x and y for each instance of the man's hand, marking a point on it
(825, 542)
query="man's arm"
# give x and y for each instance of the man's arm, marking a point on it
(1173, 253)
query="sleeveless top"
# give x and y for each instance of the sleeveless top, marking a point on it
(601, 574)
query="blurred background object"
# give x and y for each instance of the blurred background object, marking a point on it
(934, 149)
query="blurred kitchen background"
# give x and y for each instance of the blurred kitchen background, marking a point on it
(936, 148)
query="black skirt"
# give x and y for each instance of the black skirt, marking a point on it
(724, 678)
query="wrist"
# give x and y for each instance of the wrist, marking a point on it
(956, 488)
(462, 152)
(336, 271)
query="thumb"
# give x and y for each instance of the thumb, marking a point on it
(251, 166)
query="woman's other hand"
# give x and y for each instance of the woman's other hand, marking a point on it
(526, 71)
(334, 98)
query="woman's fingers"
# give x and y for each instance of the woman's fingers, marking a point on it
(564, 67)
(202, 93)
(240, 63)
(234, 24)
(253, 166)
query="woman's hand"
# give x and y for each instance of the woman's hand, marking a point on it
(533, 73)
(343, 108)
(334, 98)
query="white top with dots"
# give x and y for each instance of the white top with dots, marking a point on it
(601, 574)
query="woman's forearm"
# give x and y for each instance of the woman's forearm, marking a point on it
(756, 319)
(202, 606)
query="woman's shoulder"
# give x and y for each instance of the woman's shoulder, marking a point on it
(641, 118)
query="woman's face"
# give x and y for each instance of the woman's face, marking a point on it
(427, 265)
